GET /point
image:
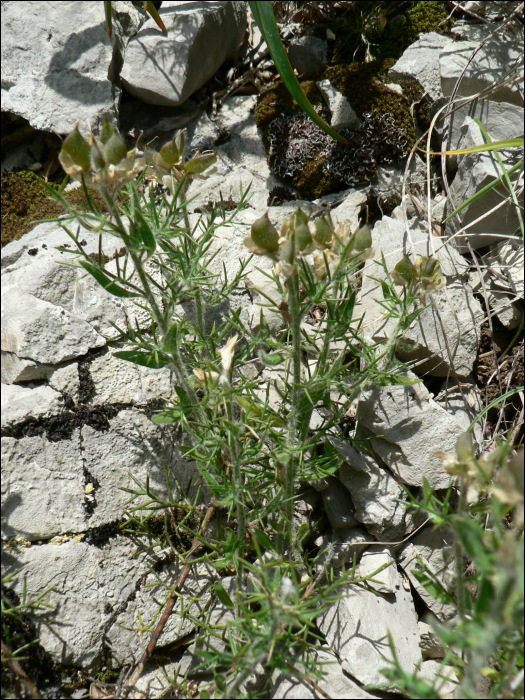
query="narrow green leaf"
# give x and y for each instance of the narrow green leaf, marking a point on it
(150, 7)
(145, 359)
(220, 682)
(485, 599)
(222, 595)
(144, 233)
(494, 146)
(107, 12)
(263, 540)
(108, 284)
(163, 419)
(263, 14)
(170, 341)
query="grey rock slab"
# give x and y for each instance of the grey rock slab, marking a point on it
(119, 381)
(443, 678)
(49, 314)
(420, 62)
(338, 505)
(339, 548)
(455, 309)
(431, 647)
(451, 399)
(385, 581)
(343, 115)
(90, 585)
(65, 379)
(500, 120)
(374, 492)
(410, 560)
(489, 219)
(410, 427)
(356, 628)
(133, 445)
(491, 63)
(506, 263)
(308, 55)
(166, 70)
(43, 487)
(244, 146)
(144, 609)
(42, 332)
(349, 209)
(20, 402)
(58, 64)
(333, 683)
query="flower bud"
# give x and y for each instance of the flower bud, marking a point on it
(300, 229)
(75, 155)
(429, 273)
(171, 152)
(264, 238)
(324, 229)
(404, 272)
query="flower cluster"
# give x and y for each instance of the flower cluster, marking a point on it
(168, 167)
(300, 236)
(105, 163)
(108, 165)
(477, 473)
(424, 275)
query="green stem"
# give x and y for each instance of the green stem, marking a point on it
(238, 480)
(293, 423)
(197, 297)
(458, 556)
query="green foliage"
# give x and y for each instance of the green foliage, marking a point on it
(487, 641)
(251, 450)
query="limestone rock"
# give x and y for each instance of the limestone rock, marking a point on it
(163, 70)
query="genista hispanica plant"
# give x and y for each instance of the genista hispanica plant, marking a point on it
(252, 455)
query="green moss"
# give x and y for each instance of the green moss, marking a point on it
(276, 101)
(362, 84)
(25, 201)
(358, 31)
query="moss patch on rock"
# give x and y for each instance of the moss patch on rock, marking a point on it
(25, 202)
(359, 31)
(364, 86)
(276, 101)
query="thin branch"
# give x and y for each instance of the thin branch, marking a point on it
(169, 607)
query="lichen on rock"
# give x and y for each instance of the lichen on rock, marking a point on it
(304, 156)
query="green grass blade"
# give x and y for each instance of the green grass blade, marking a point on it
(504, 174)
(484, 190)
(263, 13)
(494, 146)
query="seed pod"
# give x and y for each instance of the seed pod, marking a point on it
(114, 150)
(429, 272)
